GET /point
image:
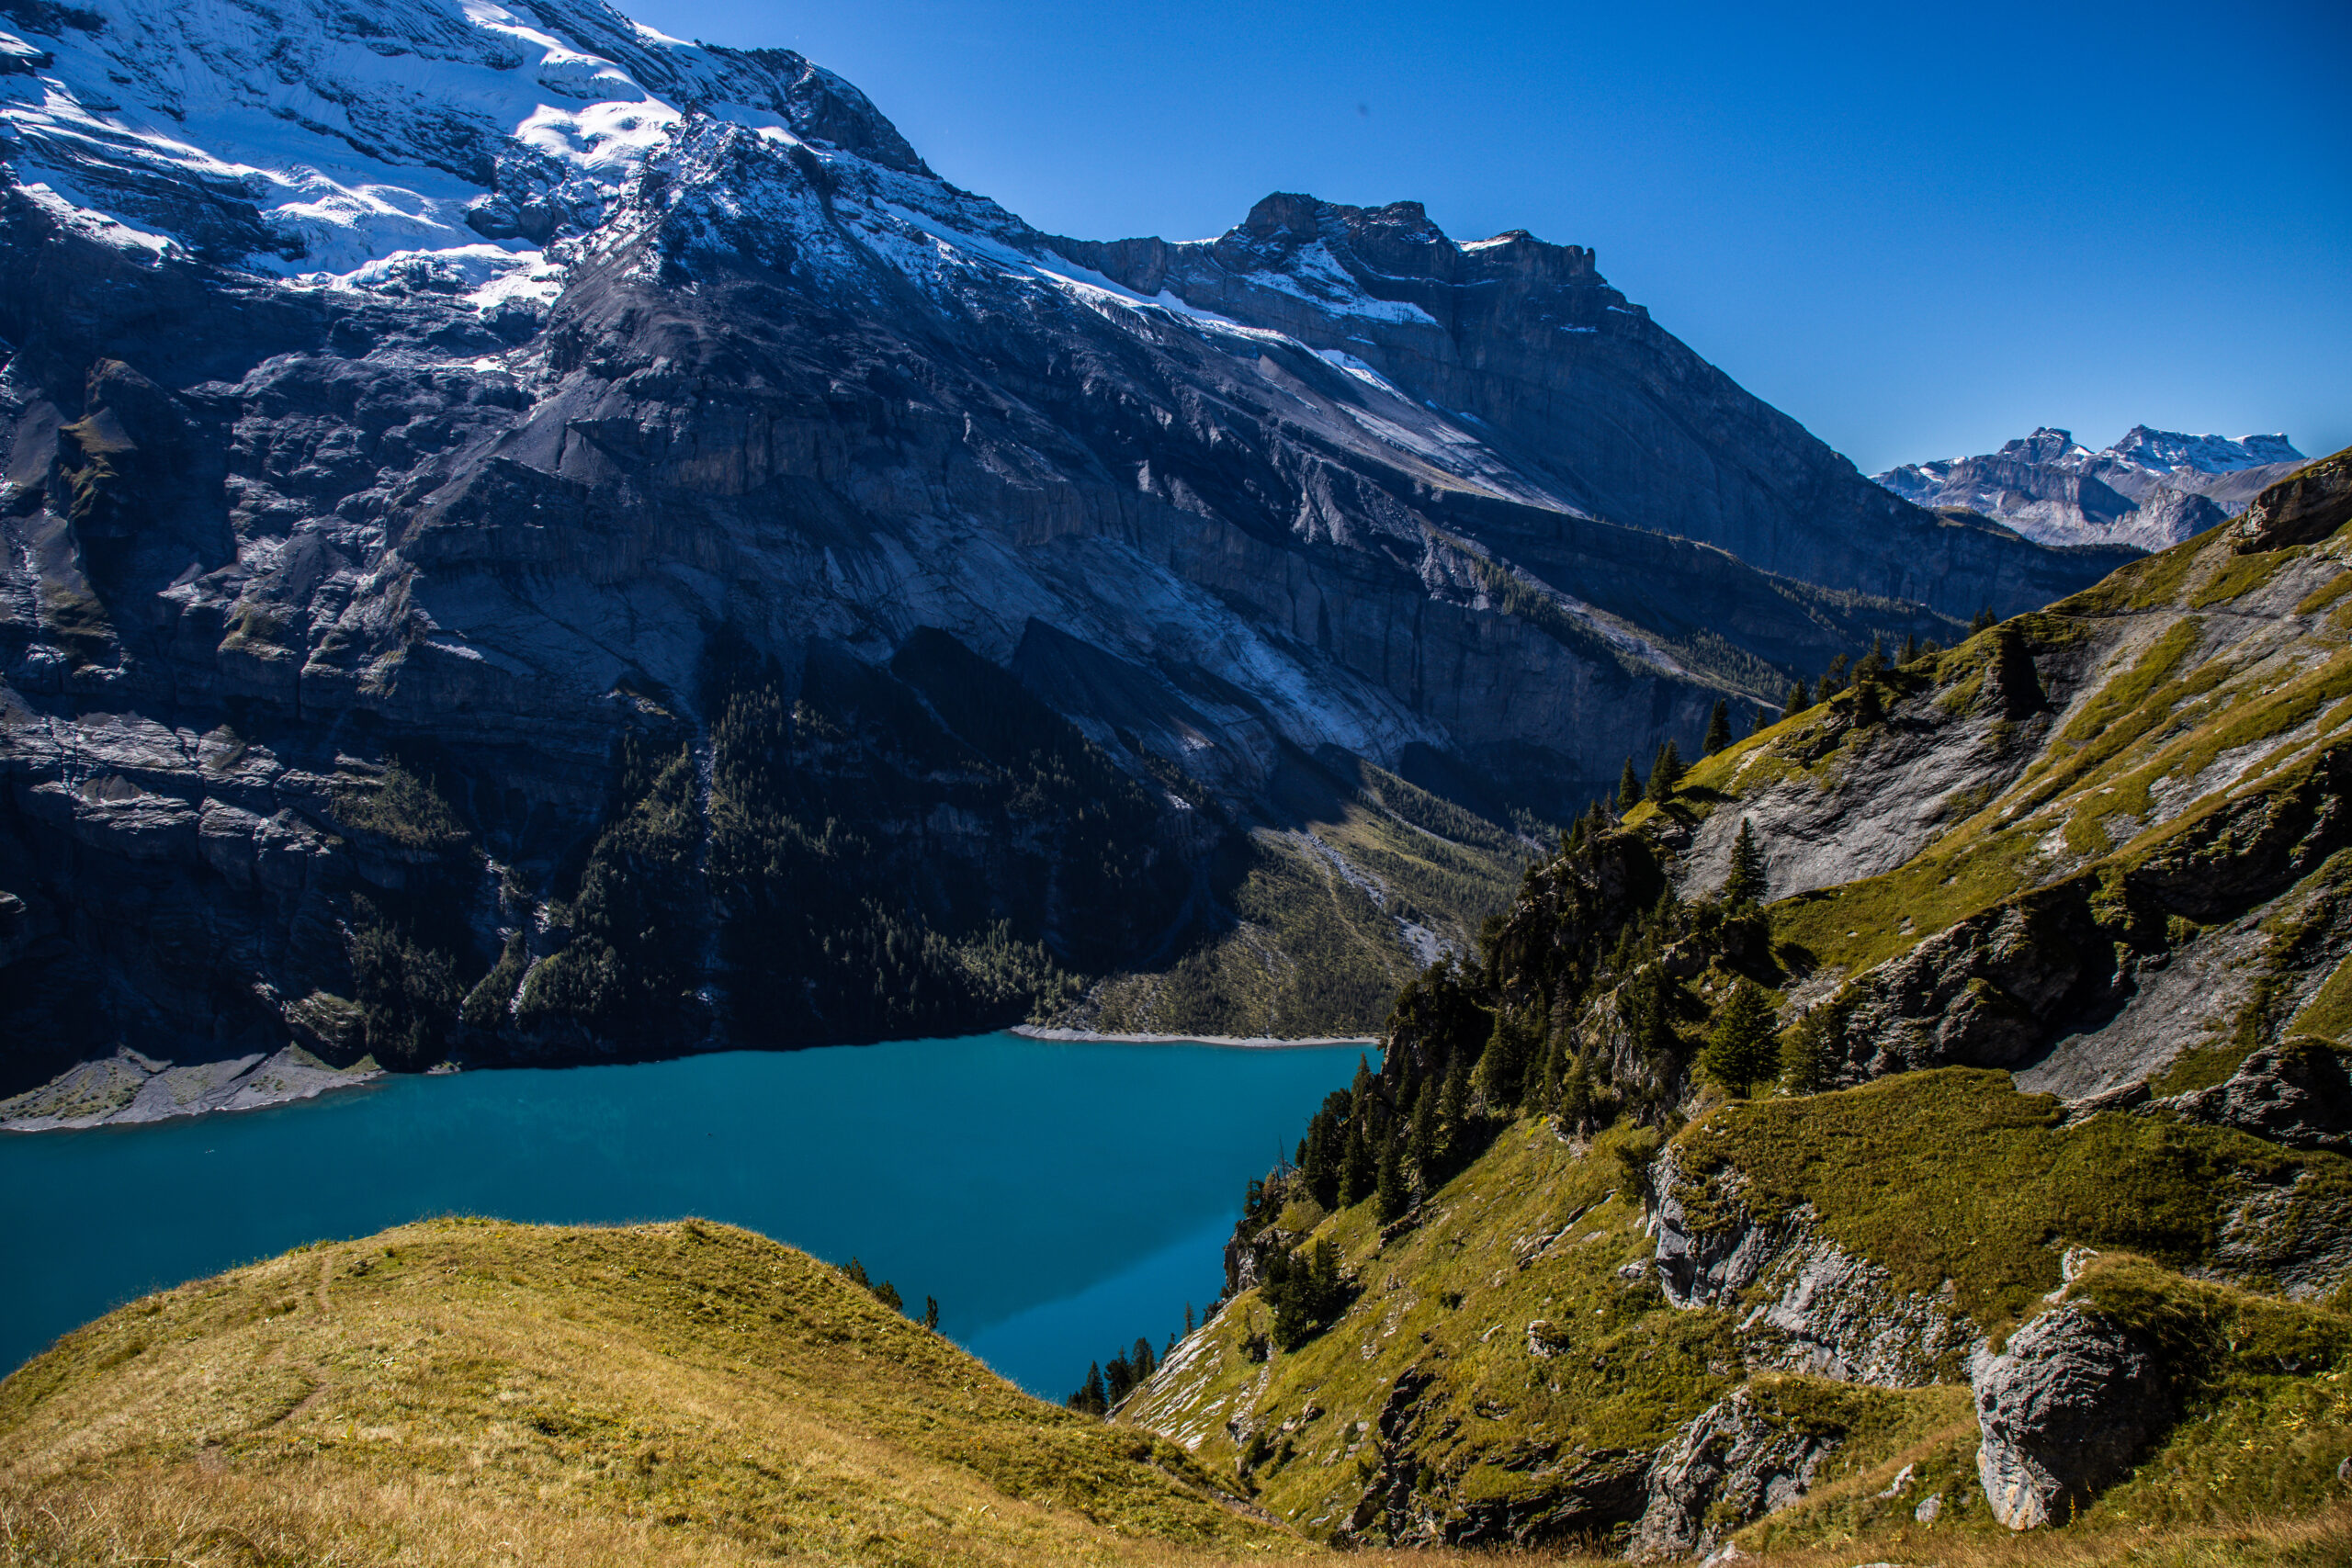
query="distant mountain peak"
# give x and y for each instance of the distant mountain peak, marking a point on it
(2152, 488)
(2165, 450)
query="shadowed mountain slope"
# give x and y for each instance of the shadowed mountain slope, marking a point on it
(680, 573)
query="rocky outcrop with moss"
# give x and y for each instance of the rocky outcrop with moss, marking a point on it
(2044, 1120)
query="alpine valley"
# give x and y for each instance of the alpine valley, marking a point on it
(531, 541)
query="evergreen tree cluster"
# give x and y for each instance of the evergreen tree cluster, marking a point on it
(788, 838)
(1867, 675)
(1575, 1009)
(1109, 1383)
(1306, 1294)
(887, 1294)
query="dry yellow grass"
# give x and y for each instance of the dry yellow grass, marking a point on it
(461, 1393)
(464, 1392)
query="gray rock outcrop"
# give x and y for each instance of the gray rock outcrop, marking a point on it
(2295, 1093)
(1816, 1308)
(2301, 509)
(1731, 1466)
(2063, 1412)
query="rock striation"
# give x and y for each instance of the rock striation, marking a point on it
(2064, 1409)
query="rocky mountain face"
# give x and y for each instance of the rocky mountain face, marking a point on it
(528, 537)
(1930, 1118)
(2151, 489)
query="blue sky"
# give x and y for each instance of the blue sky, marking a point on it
(1921, 230)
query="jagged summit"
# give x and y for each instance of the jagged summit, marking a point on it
(2152, 488)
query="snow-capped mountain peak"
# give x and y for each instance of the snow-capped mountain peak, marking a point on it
(2152, 488)
(2161, 451)
(307, 136)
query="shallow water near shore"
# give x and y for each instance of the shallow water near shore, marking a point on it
(1059, 1198)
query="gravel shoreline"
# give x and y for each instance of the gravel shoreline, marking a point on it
(129, 1087)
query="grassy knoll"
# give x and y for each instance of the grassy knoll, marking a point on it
(461, 1390)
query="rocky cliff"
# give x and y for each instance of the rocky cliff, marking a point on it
(530, 538)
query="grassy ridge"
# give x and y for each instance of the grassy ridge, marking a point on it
(688, 1392)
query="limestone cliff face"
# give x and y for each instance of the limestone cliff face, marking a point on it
(1577, 382)
(472, 644)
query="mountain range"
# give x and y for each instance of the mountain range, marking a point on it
(532, 540)
(511, 514)
(2153, 488)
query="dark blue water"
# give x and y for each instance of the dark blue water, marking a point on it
(1059, 1199)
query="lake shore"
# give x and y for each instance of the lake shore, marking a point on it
(1243, 1041)
(129, 1087)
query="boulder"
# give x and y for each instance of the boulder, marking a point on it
(2062, 1413)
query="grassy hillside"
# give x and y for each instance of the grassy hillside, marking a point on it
(1683, 1212)
(1307, 922)
(463, 1392)
(2113, 750)
(1507, 1365)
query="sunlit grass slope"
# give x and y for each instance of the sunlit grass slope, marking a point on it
(465, 1392)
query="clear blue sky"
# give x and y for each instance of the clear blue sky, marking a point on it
(1920, 230)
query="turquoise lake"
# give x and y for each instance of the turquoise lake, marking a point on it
(1059, 1199)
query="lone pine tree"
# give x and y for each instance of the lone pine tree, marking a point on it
(1745, 885)
(1740, 1049)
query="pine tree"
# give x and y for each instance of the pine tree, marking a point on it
(1390, 1187)
(1718, 729)
(1746, 883)
(1868, 708)
(1356, 1171)
(1797, 701)
(930, 1312)
(1188, 1319)
(1983, 620)
(1664, 773)
(1143, 1362)
(1874, 663)
(856, 1273)
(1423, 1143)
(887, 1294)
(1659, 1042)
(1833, 680)
(1805, 1048)
(1760, 721)
(1091, 1399)
(1911, 649)
(1629, 788)
(1576, 1097)
(1117, 1379)
(1453, 1113)
(1740, 1048)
